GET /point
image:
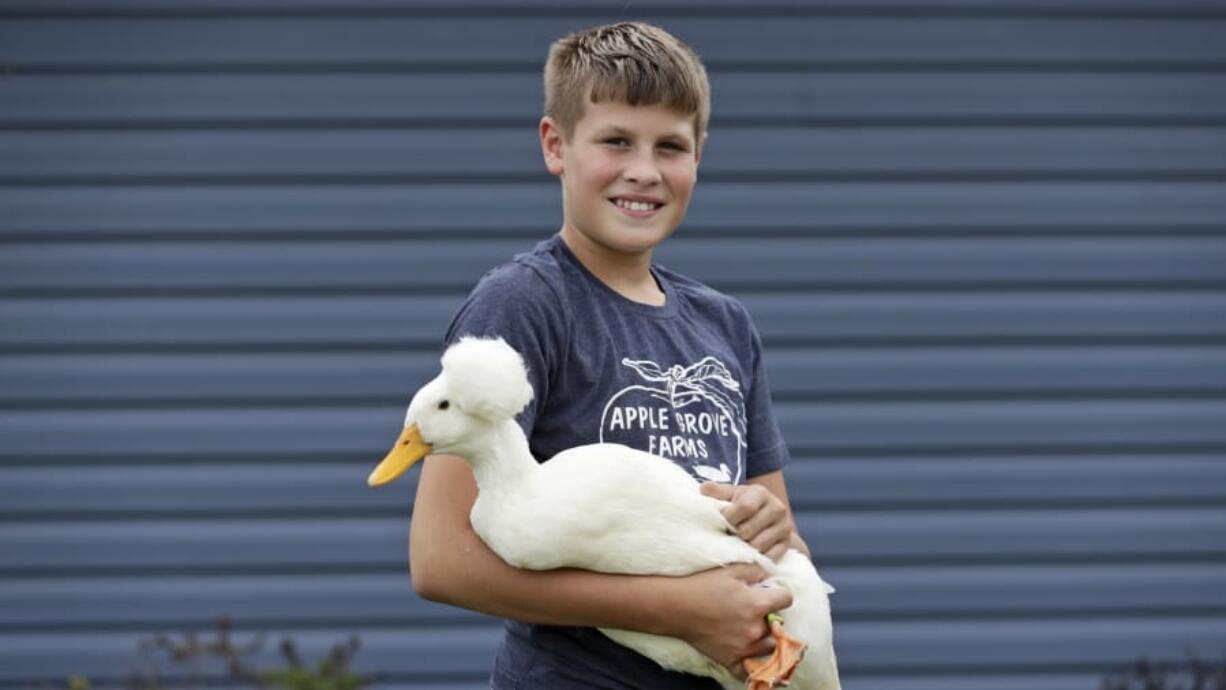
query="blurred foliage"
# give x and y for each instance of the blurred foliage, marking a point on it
(190, 652)
(1191, 674)
(331, 673)
(193, 660)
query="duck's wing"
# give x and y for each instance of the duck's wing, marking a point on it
(610, 508)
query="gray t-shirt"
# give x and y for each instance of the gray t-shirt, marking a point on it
(684, 381)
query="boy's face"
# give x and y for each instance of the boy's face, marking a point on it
(627, 173)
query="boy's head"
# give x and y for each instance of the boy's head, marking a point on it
(631, 63)
(626, 110)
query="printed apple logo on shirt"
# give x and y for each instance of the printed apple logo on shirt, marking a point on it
(693, 415)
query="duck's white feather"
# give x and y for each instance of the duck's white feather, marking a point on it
(612, 509)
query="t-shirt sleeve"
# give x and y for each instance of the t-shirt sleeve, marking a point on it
(767, 450)
(514, 303)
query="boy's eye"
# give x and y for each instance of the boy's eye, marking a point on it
(616, 141)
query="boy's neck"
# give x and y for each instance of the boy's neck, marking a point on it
(629, 275)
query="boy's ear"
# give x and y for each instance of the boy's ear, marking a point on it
(552, 141)
(702, 144)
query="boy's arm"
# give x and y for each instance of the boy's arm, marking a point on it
(719, 611)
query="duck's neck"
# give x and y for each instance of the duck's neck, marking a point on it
(503, 458)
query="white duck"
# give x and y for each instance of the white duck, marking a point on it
(600, 507)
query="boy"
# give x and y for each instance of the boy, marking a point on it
(618, 350)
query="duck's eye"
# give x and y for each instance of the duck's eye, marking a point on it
(444, 405)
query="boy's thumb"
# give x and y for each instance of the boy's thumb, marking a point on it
(721, 491)
(780, 598)
(774, 595)
(749, 573)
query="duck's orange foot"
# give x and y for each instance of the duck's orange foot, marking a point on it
(776, 669)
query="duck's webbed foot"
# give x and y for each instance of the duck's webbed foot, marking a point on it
(776, 669)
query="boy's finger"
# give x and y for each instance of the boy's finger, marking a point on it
(743, 506)
(777, 599)
(776, 552)
(759, 522)
(721, 491)
(764, 646)
(768, 539)
(736, 515)
(748, 572)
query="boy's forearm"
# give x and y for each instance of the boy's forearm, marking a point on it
(450, 564)
(485, 583)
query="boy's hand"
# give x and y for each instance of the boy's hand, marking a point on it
(722, 613)
(757, 515)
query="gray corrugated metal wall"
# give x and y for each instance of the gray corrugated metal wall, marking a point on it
(985, 243)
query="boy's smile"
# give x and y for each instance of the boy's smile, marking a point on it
(627, 174)
(637, 205)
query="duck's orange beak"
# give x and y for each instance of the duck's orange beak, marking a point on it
(408, 450)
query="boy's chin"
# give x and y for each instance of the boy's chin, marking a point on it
(636, 240)
(628, 239)
(640, 236)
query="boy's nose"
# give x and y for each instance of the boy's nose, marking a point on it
(641, 170)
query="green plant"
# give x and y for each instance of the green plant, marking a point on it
(331, 673)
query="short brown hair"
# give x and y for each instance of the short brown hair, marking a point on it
(632, 63)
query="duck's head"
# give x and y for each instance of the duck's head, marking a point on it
(483, 383)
